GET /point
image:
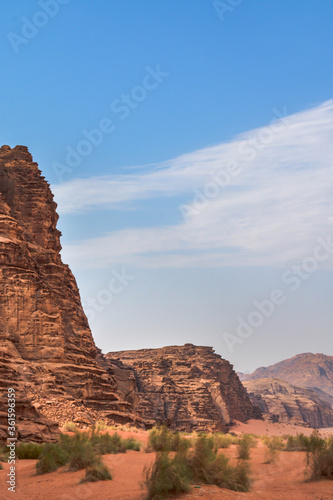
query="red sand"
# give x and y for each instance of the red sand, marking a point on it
(281, 481)
(261, 427)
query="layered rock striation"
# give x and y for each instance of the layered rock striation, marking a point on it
(312, 371)
(46, 346)
(281, 401)
(186, 387)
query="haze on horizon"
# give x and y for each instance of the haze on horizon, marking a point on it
(191, 159)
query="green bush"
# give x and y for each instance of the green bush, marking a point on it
(319, 458)
(81, 453)
(173, 475)
(273, 442)
(29, 451)
(297, 443)
(96, 472)
(225, 475)
(53, 456)
(210, 468)
(163, 439)
(167, 476)
(271, 454)
(82, 449)
(132, 444)
(106, 443)
(244, 446)
(224, 440)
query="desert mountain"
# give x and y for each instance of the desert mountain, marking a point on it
(189, 387)
(48, 354)
(313, 371)
(281, 401)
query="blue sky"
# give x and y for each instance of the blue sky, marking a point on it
(202, 164)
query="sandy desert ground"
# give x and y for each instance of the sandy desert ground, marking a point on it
(283, 480)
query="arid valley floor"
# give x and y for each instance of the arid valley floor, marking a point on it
(282, 480)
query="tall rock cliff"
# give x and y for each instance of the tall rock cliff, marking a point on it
(187, 387)
(46, 348)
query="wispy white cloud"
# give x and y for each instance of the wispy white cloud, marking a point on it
(270, 213)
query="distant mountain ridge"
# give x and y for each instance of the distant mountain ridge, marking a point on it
(281, 401)
(312, 371)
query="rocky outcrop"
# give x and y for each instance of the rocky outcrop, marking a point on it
(313, 371)
(46, 346)
(187, 387)
(30, 424)
(283, 402)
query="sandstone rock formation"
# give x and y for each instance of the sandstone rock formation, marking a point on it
(283, 402)
(47, 352)
(46, 346)
(313, 371)
(187, 387)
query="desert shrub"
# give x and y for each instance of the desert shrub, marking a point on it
(29, 451)
(106, 443)
(273, 442)
(319, 459)
(316, 442)
(210, 468)
(201, 457)
(224, 440)
(244, 445)
(96, 472)
(304, 443)
(70, 427)
(271, 454)
(170, 475)
(225, 475)
(75, 451)
(166, 476)
(132, 444)
(163, 439)
(297, 443)
(53, 456)
(81, 452)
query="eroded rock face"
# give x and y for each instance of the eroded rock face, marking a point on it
(283, 402)
(312, 371)
(187, 387)
(46, 346)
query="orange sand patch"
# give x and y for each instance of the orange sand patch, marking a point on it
(260, 428)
